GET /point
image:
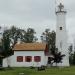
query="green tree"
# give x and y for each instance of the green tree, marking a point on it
(73, 59)
(50, 37)
(29, 36)
(6, 43)
(70, 49)
(57, 58)
(71, 55)
(10, 38)
(13, 35)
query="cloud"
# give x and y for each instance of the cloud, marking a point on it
(38, 14)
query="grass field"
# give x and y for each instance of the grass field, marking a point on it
(49, 71)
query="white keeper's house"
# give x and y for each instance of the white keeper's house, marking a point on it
(27, 54)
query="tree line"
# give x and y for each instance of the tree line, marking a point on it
(14, 35)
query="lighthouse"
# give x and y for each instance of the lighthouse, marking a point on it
(61, 34)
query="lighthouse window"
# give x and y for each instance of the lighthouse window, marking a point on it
(60, 28)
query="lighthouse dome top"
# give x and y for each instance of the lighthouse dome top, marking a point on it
(60, 8)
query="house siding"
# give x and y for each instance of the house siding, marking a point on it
(12, 60)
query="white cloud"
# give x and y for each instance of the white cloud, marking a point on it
(38, 14)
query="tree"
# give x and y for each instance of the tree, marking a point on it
(49, 38)
(6, 44)
(70, 49)
(71, 59)
(10, 38)
(14, 35)
(58, 57)
(29, 36)
(74, 58)
(71, 55)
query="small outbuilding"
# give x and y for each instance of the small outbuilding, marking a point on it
(27, 55)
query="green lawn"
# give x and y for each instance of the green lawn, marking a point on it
(49, 71)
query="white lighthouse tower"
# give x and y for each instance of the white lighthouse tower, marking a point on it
(61, 34)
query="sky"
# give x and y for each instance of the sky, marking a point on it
(37, 14)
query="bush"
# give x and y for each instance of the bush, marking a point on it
(41, 68)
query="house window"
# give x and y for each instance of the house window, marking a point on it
(60, 28)
(28, 58)
(37, 58)
(19, 58)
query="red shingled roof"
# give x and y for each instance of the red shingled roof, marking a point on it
(30, 47)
